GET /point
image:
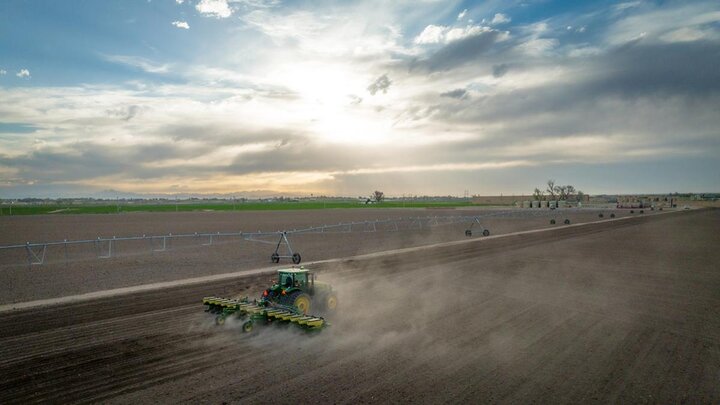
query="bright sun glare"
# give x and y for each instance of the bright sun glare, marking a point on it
(330, 95)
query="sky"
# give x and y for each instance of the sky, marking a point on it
(419, 97)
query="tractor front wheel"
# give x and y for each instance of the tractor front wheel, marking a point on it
(219, 320)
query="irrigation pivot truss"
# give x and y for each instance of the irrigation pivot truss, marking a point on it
(36, 253)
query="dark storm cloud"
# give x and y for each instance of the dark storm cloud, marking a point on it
(590, 100)
(88, 160)
(458, 53)
(678, 68)
(500, 70)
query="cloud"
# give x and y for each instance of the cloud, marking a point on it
(382, 83)
(460, 52)
(125, 113)
(500, 70)
(436, 34)
(684, 22)
(181, 24)
(457, 93)
(432, 34)
(462, 15)
(538, 46)
(579, 101)
(500, 18)
(626, 5)
(138, 62)
(214, 8)
(23, 74)
(3, 72)
(179, 1)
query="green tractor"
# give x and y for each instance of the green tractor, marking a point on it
(297, 287)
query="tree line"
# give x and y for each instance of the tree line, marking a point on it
(556, 192)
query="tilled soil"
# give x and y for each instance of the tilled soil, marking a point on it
(624, 311)
(78, 269)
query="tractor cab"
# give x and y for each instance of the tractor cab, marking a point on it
(302, 278)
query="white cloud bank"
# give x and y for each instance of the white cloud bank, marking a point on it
(214, 8)
(23, 74)
(500, 18)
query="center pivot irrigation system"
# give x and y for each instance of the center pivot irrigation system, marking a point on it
(36, 252)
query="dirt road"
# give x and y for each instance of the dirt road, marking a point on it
(627, 311)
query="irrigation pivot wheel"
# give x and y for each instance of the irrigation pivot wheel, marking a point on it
(486, 233)
(296, 258)
(275, 258)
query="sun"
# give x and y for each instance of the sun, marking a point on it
(333, 98)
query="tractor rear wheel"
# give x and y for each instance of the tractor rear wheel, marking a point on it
(331, 302)
(299, 300)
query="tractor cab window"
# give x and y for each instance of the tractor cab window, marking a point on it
(301, 278)
(288, 280)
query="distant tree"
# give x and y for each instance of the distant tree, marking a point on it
(551, 189)
(537, 194)
(580, 195)
(378, 196)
